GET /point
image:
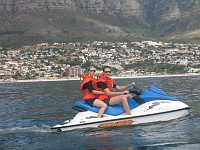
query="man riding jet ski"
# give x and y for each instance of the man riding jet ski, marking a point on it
(146, 106)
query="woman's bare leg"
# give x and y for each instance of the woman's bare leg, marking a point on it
(102, 105)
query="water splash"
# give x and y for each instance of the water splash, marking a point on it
(32, 129)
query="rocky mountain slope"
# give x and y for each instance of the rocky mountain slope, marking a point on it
(33, 21)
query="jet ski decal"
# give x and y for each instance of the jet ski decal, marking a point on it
(114, 124)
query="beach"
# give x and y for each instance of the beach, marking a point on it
(78, 78)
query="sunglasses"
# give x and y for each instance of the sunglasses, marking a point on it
(92, 70)
(107, 71)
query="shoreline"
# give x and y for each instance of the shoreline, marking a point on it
(70, 79)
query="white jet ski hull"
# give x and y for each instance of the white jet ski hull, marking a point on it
(153, 111)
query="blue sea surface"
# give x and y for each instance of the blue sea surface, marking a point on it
(29, 109)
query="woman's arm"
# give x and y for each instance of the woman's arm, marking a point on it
(90, 87)
(97, 92)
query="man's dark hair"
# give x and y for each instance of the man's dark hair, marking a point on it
(104, 67)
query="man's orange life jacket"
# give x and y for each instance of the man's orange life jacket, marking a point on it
(109, 82)
(87, 94)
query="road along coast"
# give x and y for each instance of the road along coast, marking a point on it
(69, 79)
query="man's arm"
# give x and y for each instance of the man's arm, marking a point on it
(104, 87)
(122, 87)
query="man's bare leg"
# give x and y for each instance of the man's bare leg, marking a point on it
(121, 99)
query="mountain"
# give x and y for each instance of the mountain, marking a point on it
(26, 22)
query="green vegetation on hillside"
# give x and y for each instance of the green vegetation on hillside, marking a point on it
(151, 67)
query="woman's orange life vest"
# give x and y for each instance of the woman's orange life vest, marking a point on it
(87, 94)
(109, 82)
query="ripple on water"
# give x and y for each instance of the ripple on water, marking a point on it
(30, 109)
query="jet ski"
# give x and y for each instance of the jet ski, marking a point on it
(152, 105)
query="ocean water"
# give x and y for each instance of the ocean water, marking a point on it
(28, 111)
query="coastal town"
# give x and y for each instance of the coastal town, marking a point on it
(69, 60)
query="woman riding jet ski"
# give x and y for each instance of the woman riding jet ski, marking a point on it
(146, 106)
